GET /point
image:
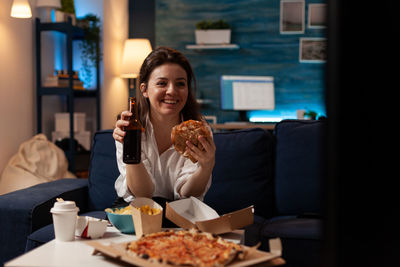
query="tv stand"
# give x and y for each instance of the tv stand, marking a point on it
(241, 125)
(243, 116)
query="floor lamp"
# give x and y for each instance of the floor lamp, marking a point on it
(135, 51)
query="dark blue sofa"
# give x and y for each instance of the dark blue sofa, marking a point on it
(280, 173)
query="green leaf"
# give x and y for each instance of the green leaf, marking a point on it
(216, 25)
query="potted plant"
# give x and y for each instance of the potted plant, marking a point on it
(66, 10)
(90, 45)
(213, 32)
(311, 114)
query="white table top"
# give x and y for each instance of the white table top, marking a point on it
(78, 253)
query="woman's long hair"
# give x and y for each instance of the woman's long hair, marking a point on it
(156, 58)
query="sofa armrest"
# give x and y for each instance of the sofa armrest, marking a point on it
(27, 210)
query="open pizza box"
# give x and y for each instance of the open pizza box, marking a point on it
(254, 257)
(192, 213)
(145, 223)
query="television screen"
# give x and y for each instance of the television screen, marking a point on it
(247, 93)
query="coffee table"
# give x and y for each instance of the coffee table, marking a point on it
(78, 253)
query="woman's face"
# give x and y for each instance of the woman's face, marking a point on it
(167, 90)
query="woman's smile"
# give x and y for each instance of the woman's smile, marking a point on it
(169, 101)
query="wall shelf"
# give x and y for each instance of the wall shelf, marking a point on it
(76, 32)
(213, 46)
(66, 91)
(72, 33)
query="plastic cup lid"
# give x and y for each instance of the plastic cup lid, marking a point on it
(64, 206)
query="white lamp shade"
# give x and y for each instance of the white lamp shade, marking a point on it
(48, 3)
(135, 51)
(21, 9)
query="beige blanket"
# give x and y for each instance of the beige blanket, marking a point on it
(37, 161)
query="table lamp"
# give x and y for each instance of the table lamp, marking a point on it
(48, 5)
(135, 51)
(21, 9)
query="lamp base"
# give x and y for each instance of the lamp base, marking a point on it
(44, 14)
(63, 17)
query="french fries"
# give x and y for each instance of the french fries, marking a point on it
(150, 211)
(128, 210)
(124, 211)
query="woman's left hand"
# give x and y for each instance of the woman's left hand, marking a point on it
(205, 157)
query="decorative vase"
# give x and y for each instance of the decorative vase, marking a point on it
(63, 17)
(213, 36)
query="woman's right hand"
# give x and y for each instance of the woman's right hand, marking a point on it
(119, 132)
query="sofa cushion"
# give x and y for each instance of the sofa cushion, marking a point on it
(103, 171)
(300, 237)
(283, 227)
(242, 174)
(293, 227)
(299, 166)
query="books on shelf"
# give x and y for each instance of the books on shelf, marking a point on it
(51, 81)
(62, 80)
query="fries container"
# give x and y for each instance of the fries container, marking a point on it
(193, 213)
(145, 223)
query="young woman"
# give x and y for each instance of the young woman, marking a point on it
(166, 99)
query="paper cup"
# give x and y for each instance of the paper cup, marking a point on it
(64, 220)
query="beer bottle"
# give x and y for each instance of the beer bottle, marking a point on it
(132, 139)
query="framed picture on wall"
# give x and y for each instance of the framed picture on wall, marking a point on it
(292, 16)
(312, 50)
(316, 16)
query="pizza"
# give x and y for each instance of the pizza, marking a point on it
(188, 130)
(186, 247)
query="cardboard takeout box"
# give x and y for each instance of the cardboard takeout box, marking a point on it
(193, 213)
(254, 256)
(145, 223)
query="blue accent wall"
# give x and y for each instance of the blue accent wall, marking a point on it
(264, 51)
